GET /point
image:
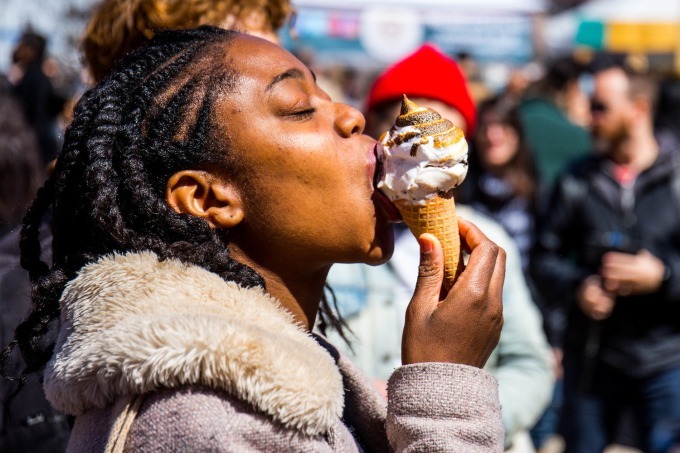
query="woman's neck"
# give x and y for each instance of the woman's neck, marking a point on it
(301, 298)
(298, 290)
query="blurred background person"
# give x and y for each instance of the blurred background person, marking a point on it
(609, 251)
(554, 114)
(667, 115)
(501, 180)
(28, 423)
(473, 76)
(443, 86)
(502, 183)
(20, 162)
(40, 102)
(374, 299)
(118, 27)
(519, 80)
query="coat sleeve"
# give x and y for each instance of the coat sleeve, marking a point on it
(443, 407)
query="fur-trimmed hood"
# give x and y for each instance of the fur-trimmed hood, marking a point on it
(132, 325)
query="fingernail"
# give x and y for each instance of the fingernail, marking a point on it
(425, 245)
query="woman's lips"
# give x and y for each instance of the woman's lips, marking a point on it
(390, 210)
(372, 164)
(380, 198)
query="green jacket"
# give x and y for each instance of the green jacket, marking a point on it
(552, 138)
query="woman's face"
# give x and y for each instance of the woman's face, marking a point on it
(497, 142)
(305, 170)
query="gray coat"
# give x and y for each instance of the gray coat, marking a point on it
(223, 368)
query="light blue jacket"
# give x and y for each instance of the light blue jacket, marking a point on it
(373, 300)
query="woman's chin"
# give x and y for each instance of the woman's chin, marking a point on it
(382, 248)
(375, 247)
(378, 261)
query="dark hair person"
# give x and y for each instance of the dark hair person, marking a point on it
(502, 180)
(204, 190)
(21, 168)
(28, 421)
(119, 27)
(40, 102)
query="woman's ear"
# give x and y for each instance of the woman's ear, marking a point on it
(206, 196)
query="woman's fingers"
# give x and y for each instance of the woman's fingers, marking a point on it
(465, 327)
(431, 268)
(430, 276)
(498, 277)
(482, 280)
(471, 235)
(483, 256)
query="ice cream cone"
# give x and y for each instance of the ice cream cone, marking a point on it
(438, 217)
(425, 158)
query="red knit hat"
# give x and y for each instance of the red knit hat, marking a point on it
(430, 74)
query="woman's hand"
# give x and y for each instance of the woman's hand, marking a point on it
(465, 326)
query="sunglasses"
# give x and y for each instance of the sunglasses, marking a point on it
(598, 107)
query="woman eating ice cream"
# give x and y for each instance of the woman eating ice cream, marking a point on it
(203, 192)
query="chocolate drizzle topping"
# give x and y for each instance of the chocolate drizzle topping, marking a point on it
(429, 123)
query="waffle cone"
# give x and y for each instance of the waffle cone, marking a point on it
(438, 217)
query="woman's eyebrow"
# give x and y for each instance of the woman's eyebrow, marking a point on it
(293, 73)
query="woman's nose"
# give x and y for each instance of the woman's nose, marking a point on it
(349, 121)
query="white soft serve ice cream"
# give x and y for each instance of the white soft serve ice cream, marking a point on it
(423, 155)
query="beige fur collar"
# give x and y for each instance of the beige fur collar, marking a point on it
(132, 324)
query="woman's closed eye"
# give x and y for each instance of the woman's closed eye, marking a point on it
(302, 114)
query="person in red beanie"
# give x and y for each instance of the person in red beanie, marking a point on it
(427, 76)
(373, 299)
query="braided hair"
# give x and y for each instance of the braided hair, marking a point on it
(146, 121)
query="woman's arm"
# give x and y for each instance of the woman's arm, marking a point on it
(443, 407)
(441, 400)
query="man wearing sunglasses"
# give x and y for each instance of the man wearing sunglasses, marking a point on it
(609, 250)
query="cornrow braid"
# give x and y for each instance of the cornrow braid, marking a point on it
(143, 123)
(129, 135)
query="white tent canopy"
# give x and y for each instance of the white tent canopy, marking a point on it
(464, 6)
(630, 10)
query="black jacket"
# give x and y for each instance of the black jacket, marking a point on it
(28, 423)
(589, 214)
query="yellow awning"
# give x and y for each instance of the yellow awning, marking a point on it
(643, 37)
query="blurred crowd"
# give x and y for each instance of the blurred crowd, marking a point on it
(573, 169)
